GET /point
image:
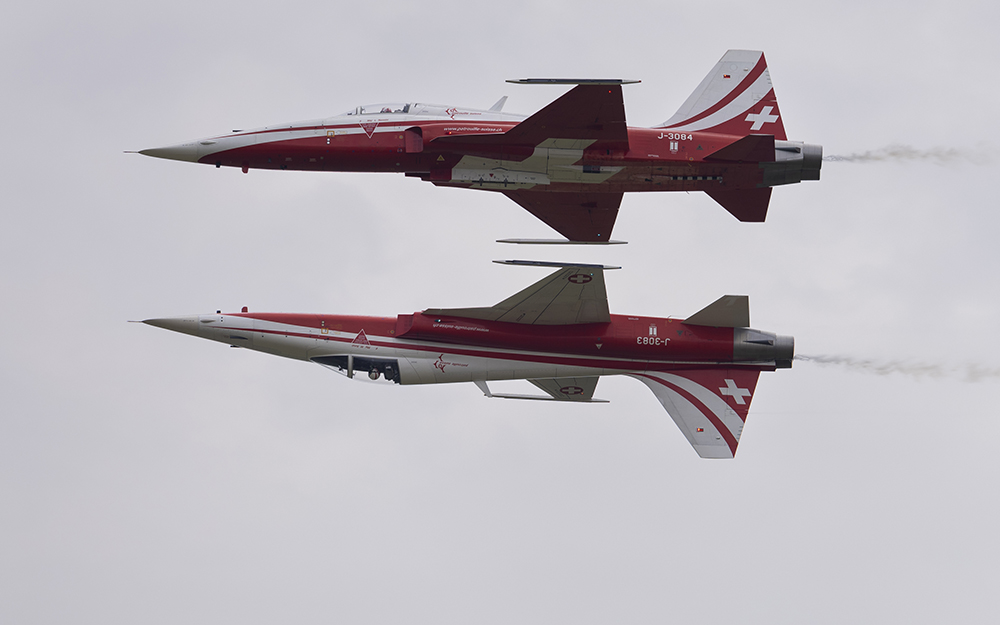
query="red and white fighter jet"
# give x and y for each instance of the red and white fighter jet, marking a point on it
(557, 334)
(569, 163)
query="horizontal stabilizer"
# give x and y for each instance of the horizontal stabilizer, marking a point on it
(709, 406)
(729, 311)
(743, 204)
(572, 295)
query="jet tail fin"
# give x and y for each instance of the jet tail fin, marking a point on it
(709, 406)
(735, 98)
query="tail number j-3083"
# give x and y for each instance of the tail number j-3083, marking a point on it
(650, 340)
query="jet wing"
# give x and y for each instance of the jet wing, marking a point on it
(572, 295)
(577, 216)
(589, 116)
(557, 389)
(588, 112)
(709, 406)
(595, 112)
(569, 389)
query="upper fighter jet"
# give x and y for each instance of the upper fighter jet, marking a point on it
(569, 163)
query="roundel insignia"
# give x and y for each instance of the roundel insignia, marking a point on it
(580, 278)
(571, 390)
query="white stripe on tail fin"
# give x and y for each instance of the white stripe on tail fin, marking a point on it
(736, 98)
(708, 405)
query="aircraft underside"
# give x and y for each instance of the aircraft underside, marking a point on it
(575, 186)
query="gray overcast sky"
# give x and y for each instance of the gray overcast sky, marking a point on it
(150, 477)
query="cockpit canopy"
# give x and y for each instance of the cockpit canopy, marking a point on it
(379, 109)
(410, 108)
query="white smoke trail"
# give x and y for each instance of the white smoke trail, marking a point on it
(900, 153)
(970, 372)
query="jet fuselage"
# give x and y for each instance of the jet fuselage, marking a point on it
(656, 159)
(570, 163)
(556, 333)
(426, 349)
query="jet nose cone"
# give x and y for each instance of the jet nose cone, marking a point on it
(184, 325)
(182, 152)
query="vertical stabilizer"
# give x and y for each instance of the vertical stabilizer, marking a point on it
(735, 98)
(709, 406)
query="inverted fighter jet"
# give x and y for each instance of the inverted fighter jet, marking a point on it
(569, 163)
(557, 334)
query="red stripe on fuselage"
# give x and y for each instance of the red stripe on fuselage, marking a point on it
(402, 344)
(388, 125)
(630, 338)
(624, 363)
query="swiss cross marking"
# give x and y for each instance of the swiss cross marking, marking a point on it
(764, 117)
(735, 392)
(580, 278)
(571, 390)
